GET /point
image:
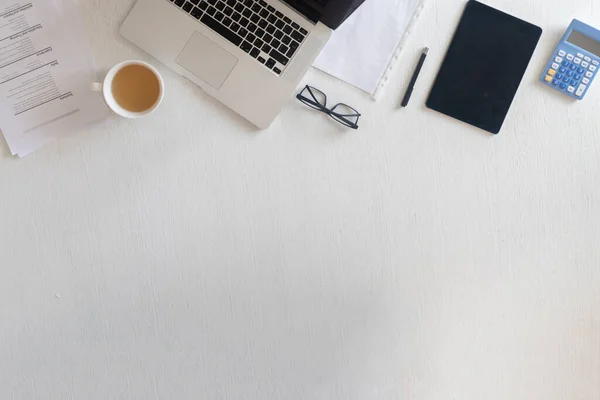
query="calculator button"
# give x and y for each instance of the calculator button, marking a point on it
(559, 76)
(580, 90)
(585, 81)
(589, 74)
(555, 82)
(580, 70)
(596, 63)
(561, 53)
(563, 86)
(577, 61)
(555, 66)
(585, 64)
(580, 55)
(548, 78)
(566, 79)
(551, 72)
(573, 82)
(570, 57)
(593, 68)
(573, 67)
(577, 77)
(569, 73)
(562, 70)
(558, 59)
(586, 58)
(570, 89)
(565, 63)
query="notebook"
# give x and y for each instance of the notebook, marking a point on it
(484, 66)
(363, 51)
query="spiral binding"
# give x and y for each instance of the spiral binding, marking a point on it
(384, 79)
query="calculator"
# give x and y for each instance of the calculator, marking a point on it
(575, 62)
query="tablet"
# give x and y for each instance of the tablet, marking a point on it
(484, 66)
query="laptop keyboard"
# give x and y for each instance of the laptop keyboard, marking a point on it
(254, 26)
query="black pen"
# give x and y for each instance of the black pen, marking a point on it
(414, 78)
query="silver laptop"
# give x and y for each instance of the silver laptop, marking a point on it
(248, 54)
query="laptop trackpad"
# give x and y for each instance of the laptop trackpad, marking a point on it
(207, 60)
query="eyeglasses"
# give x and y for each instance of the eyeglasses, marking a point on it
(342, 113)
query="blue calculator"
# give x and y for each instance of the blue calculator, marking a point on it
(575, 62)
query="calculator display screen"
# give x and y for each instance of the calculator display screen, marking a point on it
(584, 42)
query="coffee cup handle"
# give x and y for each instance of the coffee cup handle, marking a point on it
(96, 87)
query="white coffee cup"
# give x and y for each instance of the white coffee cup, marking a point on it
(106, 89)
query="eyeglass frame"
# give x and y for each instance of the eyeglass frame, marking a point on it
(329, 111)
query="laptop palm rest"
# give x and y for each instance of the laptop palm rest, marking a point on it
(207, 60)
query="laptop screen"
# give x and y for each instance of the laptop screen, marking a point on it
(330, 12)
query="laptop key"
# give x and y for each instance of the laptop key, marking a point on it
(246, 46)
(262, 60)
(271, 29)
(297, 36)
(239, 7)
(231, 2)
(286, 40)
(234, 27)
(187, 7)
(262, 3)
(219, 16)
(211, 10)
(266, 48)
(236, 16)
(244, 22)
(259, 32)
(275, 43)
(247, 13)
(258, 43)
(248, 3)
(226, 21)
(287, 20)
(252, 27)
(194, 2)
(270, 63)
(295, 25)
(271, 8)
(279, 57)
(256, 8)
(179, 3)
(267, 38)
(279, 24)
(287, 29)
(228, 11)
(264, 13)
(221, 30)
(196, 13)
(283, 49)
(277, 70)
(303, 31)
(250, 37)
(262, 23)
(279, 14)
(203, 5)
(242, 32)
(220, 6)
(278, 34)
(272, 18)
(254, 18)
(255, 52)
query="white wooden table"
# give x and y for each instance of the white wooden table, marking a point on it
(417, 258)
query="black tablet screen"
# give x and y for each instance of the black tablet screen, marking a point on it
(484, 66)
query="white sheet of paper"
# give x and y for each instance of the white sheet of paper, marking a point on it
(361, 50)
(45, 76)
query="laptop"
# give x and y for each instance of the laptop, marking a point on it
(248, 54)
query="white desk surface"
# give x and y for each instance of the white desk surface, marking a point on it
(188, 256)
